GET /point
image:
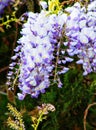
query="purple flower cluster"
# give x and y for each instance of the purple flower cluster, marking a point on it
(81, 33)
(42, 52)
(3, 4)
(40, 36)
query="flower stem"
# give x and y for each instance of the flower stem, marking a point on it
(38, 121)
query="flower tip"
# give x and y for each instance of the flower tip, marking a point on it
(20, 96)
(43, 4)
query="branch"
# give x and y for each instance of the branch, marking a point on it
(3, 93)
(3, 69)
(86, 113)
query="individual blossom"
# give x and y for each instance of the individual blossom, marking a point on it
(43, 4)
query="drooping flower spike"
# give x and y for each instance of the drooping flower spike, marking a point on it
(81, 31)
(39, 39)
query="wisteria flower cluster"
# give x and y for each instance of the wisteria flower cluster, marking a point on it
(3, 4)
(81, 32)
(41, 35)
(47, 36)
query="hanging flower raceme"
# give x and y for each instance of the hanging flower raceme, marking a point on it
(81, 32)
(40, 39)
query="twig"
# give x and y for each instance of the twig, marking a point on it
(3, 69)
(69, 2)
(86, 113)
(3, 93)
